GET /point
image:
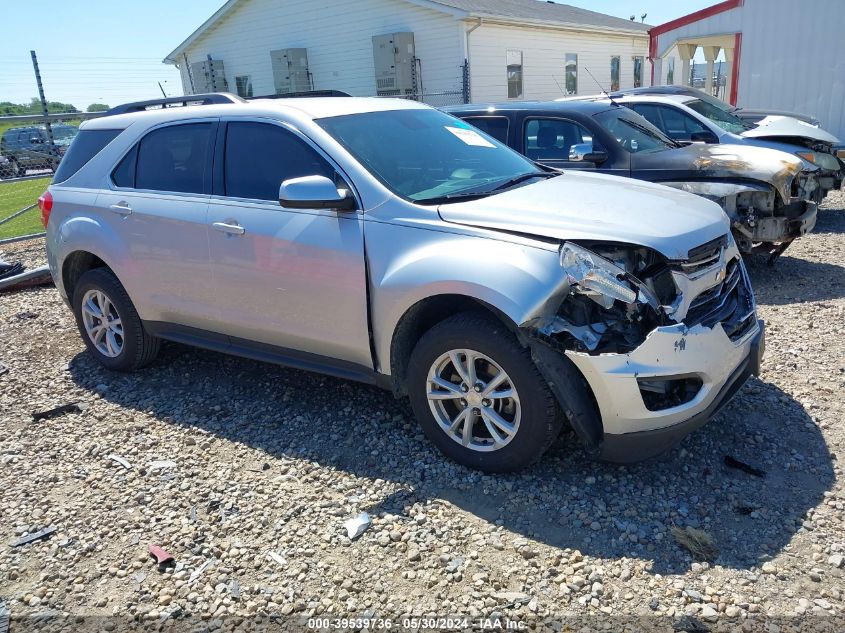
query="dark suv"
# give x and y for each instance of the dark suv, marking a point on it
(29, 147)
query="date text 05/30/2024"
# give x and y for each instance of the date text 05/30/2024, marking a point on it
(423, 623)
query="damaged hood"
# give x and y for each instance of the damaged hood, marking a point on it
(579, 206)
(718, 161)
(776, 126)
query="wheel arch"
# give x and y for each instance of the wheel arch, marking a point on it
(421, 317)
(76, 264)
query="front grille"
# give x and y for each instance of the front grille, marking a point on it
(703, 256)
(729, 302)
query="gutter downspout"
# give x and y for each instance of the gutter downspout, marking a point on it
(467, 55)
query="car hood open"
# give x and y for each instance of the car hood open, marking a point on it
(722, 161)
(579, 206)
(779, 126)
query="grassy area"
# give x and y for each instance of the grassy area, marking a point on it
(14, 196)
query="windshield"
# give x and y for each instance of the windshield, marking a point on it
(725, 120)
(632, 131)
(426, 155)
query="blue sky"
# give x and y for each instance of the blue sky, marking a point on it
(97, 51)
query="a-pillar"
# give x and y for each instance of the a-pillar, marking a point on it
(710, 55)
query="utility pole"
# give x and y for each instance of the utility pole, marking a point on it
(190, 73)
(43, 100)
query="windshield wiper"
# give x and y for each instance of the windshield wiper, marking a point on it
(454, 197)
(510, 182)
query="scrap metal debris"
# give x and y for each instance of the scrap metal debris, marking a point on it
(356, 527)
(10, 270)
(35, 277)
(120, 460)
(5, 617)
(72, 407)
(162, 464)
(162, 556)
(732, 462)
(29, 538)
(198, 572)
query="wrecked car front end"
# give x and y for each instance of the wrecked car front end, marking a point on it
(771, 197)
(662, 344)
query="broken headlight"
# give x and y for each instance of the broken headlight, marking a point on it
(600, 279)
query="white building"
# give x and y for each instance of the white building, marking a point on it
(779, 54)
(442, 51)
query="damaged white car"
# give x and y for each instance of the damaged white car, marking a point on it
(387, 242)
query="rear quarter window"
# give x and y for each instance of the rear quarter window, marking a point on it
(86, 145)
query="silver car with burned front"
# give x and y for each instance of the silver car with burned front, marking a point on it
(387, 242)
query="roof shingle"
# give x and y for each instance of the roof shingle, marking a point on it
(546, 11)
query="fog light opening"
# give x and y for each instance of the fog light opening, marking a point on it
(667, 393)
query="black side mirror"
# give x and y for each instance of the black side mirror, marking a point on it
(703, 137)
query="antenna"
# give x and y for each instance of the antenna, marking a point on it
(558, 85)
(643, 17)
(603, 91)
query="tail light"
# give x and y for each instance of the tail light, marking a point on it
(45, 203)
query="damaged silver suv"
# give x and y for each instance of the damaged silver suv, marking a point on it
(387, 242)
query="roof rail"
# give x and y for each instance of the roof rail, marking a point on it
(305, 93)
(202, 99)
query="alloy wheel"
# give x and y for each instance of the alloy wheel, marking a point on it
(102, 322)
(473, 400)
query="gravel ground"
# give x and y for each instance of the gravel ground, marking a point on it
(268, 463)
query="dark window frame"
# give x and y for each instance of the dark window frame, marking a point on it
(540, 117)
(135, 149)
(219, 169)
(471, 118)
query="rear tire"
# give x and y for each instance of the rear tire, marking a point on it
(512, 427)
(109, 324)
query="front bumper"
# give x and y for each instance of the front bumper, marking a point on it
(784, 229)
(632, 431)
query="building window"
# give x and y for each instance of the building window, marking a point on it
(243, 85)
(639, 61)
(614, 73)
(514, 59)
(670, 72)
(571, 66)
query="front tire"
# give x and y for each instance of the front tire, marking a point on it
(478, 395)
(109, 324)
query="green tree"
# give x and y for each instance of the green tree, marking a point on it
(97, 107)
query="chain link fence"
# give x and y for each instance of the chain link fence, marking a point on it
(33, 145)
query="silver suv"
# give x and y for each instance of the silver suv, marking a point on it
(387, 242)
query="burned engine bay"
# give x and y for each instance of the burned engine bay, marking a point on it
(620, 293)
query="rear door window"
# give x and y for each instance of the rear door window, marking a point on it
(260, 156)
(175, 158)
(495, 126)
(86, 145)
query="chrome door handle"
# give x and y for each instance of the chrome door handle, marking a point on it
(230, 228)
(121, 207)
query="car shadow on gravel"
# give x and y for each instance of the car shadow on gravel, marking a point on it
(795, 280)
(564, 501)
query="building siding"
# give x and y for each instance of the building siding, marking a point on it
(543, 54)
(337, 35)
(788, 59)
